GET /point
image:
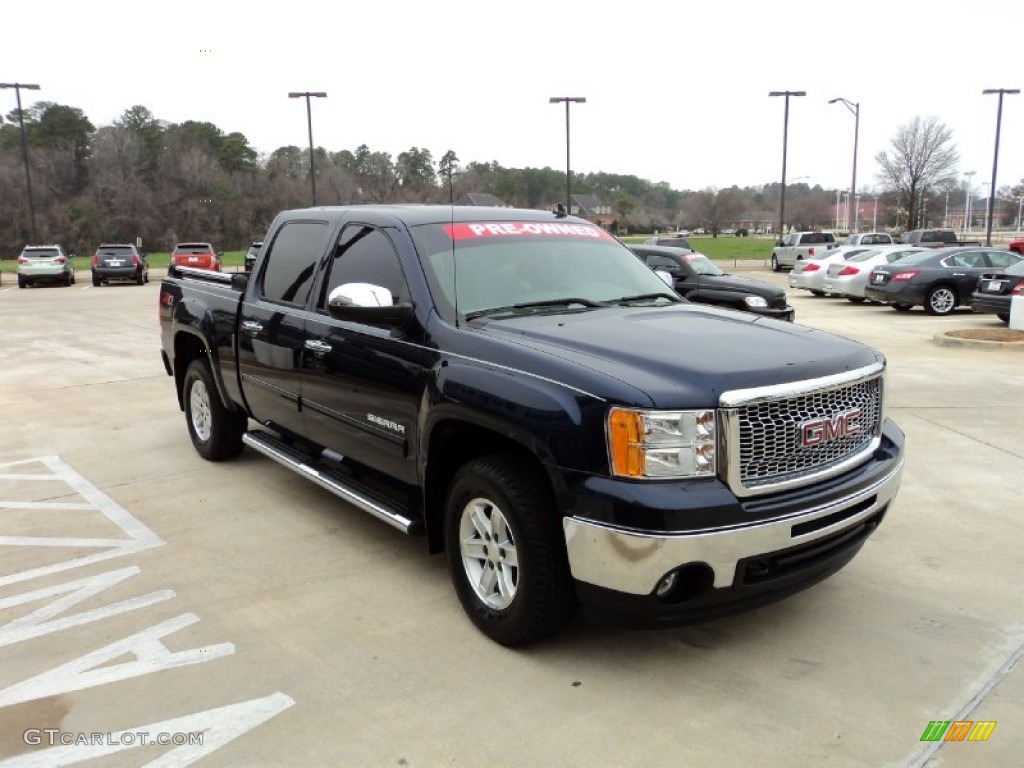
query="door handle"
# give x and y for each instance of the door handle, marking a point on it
(318, 347)
(251, 327)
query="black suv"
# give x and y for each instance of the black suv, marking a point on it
(697, 278)
(119, 261)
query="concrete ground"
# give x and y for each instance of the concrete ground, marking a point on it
(143, 589)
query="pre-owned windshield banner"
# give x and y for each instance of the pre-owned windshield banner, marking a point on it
(496, 229)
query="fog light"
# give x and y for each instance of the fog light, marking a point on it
(667, 584)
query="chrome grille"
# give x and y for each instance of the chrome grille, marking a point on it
(764, 447)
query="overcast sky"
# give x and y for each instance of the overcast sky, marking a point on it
(676, 91)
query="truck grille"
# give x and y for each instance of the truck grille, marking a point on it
(766, 439)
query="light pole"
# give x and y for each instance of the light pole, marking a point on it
(309, 121)
(874, 216)
(846, 210)
(967, 202)
(785, 141)
(995, 157)
(568, 167)
(1020, 208)
(854, 107)
(24, 150)
(945, 216)
(839, 194)
(988, 211)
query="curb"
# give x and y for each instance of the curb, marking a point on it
(944, 340)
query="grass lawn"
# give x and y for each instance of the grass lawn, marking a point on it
(723, 248)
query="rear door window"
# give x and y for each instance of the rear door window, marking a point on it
(290, 265)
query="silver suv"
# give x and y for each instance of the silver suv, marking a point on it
(45, 263)
(797, 246)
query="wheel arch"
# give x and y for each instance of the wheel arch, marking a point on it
(189, 346)
(451, 443)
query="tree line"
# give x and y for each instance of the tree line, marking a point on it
(170, 182)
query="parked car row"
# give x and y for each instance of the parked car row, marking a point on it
(937, 279)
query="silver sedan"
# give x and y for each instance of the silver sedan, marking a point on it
(809, 274)
(848, 278)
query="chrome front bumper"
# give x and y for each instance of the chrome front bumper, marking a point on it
(634, 561)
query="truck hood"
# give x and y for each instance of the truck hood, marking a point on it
(679, 357)
(744, 285)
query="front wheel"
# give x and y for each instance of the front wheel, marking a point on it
(941, 300)
(775, 264)
(817, 293)
(1004, 316)
(902, 307)
(215, 431)
(506, 551)
(855, 299)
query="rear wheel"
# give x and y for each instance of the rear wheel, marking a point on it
(855, 299)
(67, 278)
(817, 293)
(506, 551)
(215, 431)
(775, 264)
(138, 279)
(95, 282)
(22, 283)
(902, 307)
(1004, 316)
(941, 300)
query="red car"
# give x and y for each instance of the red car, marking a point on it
(1017, 246)
(196, 256)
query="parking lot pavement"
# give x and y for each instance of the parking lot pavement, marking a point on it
(143, 589)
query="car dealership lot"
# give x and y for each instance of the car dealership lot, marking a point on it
(293, 630)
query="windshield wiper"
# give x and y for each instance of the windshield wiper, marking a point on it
(553, 303)
(647, 297)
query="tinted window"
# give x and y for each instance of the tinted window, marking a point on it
(47, 253)
(657, 261)
(365, 255)
(289, 268)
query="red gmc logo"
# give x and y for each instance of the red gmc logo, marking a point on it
(822, 431)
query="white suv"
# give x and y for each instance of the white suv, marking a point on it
(797, 246)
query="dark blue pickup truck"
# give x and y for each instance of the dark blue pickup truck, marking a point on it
(520, 389)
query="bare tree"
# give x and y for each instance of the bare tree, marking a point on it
(922, 157)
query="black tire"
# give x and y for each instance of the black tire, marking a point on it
(22, 282)
(903, 307)
(1004, 316)
(501, 507)
(145, 277)
(138, 279)
(73, 278)
(855, 299)
(215, 431)
(941, 300)
(775, 264)
(67, 279)
(95, 282)
(817, 293)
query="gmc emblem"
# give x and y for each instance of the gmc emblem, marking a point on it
(822, 431)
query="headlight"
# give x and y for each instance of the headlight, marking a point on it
(661, 444)
(754, 301)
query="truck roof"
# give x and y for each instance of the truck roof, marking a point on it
(436, 214)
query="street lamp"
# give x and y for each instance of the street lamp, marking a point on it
(874, 216)
(785, 141)
(24, 150)
(309, 120)
(568, 168)
(1020, 209)
(967, 202)
(854, 107)
(995, 156)
(839, 194)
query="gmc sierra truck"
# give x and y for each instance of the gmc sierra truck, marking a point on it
(520, 389)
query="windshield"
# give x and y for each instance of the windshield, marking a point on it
(480, 266)
(701, 264)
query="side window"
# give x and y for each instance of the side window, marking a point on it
(657, 261)
(969, 259)
(291, 262)
(365, 255)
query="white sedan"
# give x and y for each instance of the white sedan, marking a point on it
(848, 278)
(809, 274)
